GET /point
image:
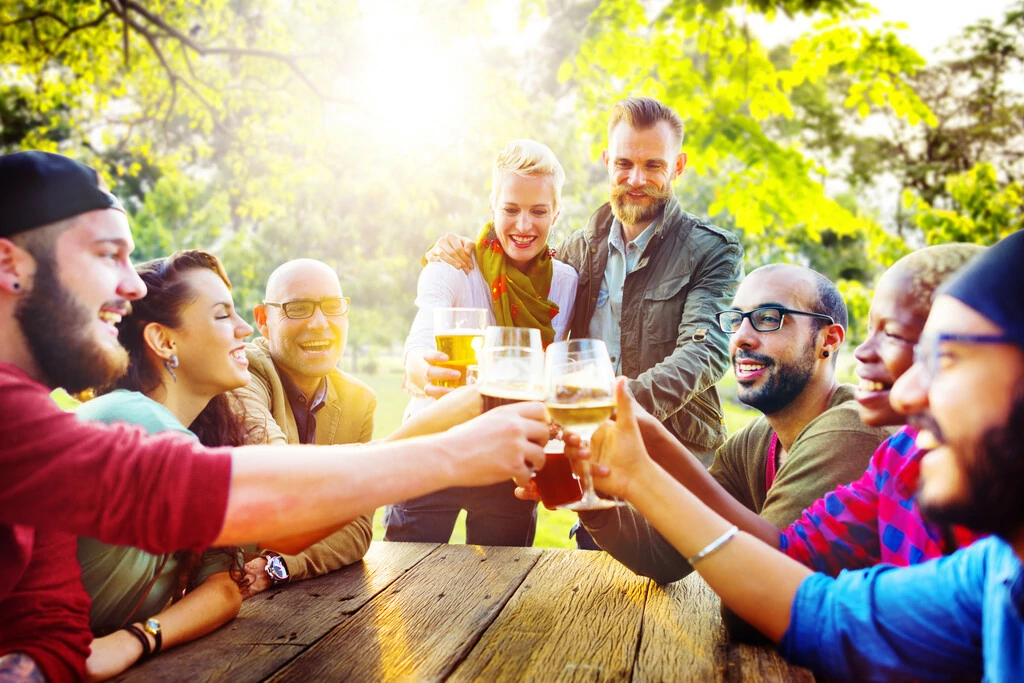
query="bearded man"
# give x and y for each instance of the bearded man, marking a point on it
(786, 326)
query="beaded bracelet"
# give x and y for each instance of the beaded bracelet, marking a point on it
(142, 638)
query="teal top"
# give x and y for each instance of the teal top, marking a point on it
(117, 577)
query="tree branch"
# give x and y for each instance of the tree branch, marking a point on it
(241, 52)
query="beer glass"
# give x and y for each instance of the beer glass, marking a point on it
(458, 333)
(580, 397)
(509, 374)
(512, 336)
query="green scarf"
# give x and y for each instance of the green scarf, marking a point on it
(519, 298)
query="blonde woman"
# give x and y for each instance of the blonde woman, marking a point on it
(516, 279)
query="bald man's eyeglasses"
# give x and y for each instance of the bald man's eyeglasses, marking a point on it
(333, 307)
(763, 319)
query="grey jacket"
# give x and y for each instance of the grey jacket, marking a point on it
(672, 347)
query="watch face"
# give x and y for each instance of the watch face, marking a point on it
(276, 569)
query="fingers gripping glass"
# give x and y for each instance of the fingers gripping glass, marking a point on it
(580, 397)
(928, 351)
(299, 310)
(763, 319)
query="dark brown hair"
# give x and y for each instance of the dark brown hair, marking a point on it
(222, 421)
(642, 113)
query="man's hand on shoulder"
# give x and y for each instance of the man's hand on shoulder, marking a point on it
(454, 250)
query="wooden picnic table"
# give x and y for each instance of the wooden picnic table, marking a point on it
(421, 611)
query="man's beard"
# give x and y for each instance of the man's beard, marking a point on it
(58, 332)
(994, 481)
(631, 213)
(781, 387)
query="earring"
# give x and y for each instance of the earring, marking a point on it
(171, 363)
(824, 354)
(16, 285)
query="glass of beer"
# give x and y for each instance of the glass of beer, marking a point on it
(512, 336)
(459, 334)
(580, 397)
(509, 374)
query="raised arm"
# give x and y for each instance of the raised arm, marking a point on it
(125, 482)
(762, 598)
(701, 356)
(626, 535)
(278, 490)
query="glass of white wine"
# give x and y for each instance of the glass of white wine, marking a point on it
(580, 397)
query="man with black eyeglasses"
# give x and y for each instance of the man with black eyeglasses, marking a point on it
(297, 395)
(785, 328)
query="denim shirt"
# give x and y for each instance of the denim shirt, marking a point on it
(622, 259)
(957, 616)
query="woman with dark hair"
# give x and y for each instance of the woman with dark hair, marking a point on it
(186, 351)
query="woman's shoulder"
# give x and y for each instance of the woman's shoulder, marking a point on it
(122, 405)
(441, 271)
(563, 272)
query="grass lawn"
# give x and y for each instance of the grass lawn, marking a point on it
(552, 526)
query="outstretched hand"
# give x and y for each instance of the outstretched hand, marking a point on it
(504, 443)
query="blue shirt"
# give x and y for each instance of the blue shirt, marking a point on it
(957, 616)
(622, 260)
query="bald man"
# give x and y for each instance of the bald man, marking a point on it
(297, 395)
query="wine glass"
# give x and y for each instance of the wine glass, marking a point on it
(580, 397)
(458, 333)
(528, 337)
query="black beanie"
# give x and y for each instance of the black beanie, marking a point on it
(993, 285)
(38, 188)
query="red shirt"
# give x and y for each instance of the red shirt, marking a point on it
(61, 477)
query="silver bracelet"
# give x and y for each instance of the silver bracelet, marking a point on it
(713, 546)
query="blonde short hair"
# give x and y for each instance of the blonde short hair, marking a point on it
(527, 158)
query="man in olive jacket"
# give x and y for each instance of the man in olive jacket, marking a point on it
(652, 277)
(297, 395)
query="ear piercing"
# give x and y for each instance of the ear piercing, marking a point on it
(824, 354)
(171, 363)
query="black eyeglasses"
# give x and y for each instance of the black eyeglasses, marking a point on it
(763, 319)
(927, 351)
(300, 310)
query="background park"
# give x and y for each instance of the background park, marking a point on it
(822, 132)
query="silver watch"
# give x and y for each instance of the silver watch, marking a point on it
(276, 569)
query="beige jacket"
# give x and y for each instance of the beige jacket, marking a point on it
(346, 418)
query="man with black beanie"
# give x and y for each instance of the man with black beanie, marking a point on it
(65, 282)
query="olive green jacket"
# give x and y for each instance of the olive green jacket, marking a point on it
(346, 418)
(672, 347)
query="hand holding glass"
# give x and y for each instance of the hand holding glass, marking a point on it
(458, 333)
(509, 374)
(580, 397)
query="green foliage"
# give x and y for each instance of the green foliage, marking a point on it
(982, 209)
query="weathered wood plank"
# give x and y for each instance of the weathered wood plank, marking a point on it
(577, 617)
(423, 625)
(276, 625)
(684, 640)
